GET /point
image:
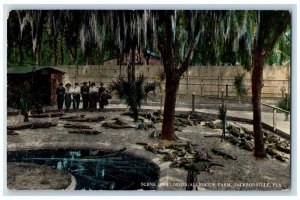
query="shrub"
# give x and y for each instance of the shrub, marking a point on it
(239, 83)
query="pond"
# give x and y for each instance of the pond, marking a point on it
(94, 169)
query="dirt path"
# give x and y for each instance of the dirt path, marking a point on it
(245, 173)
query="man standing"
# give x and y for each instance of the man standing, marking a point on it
(60, 94)
(68, 96)
(76, 96)
(93, 97)
(101, 91)
(85, 95)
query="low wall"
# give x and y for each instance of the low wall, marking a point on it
(203, 80)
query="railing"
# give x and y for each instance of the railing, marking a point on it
(287, 113)
(275, 109)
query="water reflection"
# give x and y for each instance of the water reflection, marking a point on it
(107, 173)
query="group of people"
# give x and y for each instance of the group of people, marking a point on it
(91, 95)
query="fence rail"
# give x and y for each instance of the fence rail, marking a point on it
(222, 98)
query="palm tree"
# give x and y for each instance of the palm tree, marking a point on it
(133, 98)
(257, 35)
(272, 24)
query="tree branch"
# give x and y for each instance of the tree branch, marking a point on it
(186, 61)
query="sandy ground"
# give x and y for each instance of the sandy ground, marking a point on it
(245, 173)
(28, 176)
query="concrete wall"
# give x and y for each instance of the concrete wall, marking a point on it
(208, 80)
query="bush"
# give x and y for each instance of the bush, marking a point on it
(239, 83)
(285, 104)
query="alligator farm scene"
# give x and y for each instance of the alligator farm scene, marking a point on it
(148, 100)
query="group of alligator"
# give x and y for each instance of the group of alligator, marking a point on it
(181, 154)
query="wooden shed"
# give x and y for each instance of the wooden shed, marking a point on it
(43, 79)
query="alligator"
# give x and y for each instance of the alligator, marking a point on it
(283, 146)
(33, 125)
(46, 115)
(73, 117)
(181, 162)
(117, 124)
(85, 131)
(201, 166)
(77, 126)
(144, 126)
(275, 153)
(88, 119)
(202, 155)
(117, 153)
(222, 152)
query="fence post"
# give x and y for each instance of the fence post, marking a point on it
(193, 102)
(161, 102)
(226, 90)
(201, 90)
(274, 119)
(219, 86)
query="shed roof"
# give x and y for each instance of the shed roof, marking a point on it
(30, 69)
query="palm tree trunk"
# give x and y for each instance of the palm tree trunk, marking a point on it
(257, 78)
(133, 87)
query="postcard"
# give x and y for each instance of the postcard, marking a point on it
(134, 100)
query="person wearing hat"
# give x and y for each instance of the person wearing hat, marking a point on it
(60, 94)
(102, 96)
(93, 97)
(68, 96)
(85, 95)
(76, 96)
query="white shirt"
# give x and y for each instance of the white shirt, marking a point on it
(76, 90)
(69, 90)
(93, 89)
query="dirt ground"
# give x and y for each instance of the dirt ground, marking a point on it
(245, 173)
(28, 176)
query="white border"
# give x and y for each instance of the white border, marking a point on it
(156, 4)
